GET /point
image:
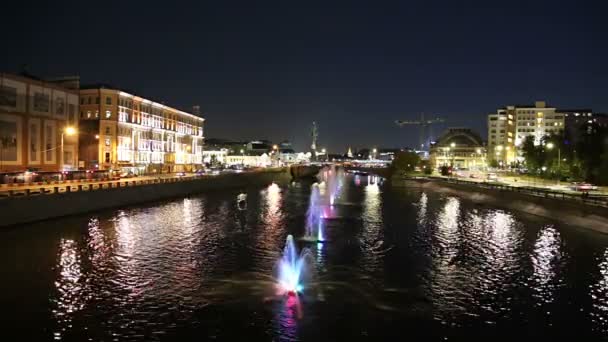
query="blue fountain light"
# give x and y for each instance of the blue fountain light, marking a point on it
(290, 269)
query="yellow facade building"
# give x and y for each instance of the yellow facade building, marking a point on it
(128, 133)
(38, 122)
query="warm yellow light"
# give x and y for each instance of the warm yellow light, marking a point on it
(550, 145)
(375, 150)
(97, 136)
(478, 151)
(499, 147)
(453, 145)
(323, 151)
(274, 147)
(69, 130)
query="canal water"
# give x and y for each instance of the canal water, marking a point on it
(397, 263)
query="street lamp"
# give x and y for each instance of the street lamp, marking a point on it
(550, 146)
(69, 131)
(453, 145)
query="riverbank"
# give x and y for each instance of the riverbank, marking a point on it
(30, 208)
(572, 213)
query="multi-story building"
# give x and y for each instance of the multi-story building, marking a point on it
(38, 124)
(510, 126)
(580, 121)
(126, 132)
(460, 148)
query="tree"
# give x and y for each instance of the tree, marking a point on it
(405, 162)
(426, 167)
(592, 153)
(532, 154)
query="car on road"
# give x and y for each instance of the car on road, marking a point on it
(127, 175)
(580, 186)
(492, 177)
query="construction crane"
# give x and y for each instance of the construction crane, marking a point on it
(424, 123)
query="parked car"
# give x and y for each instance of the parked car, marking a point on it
(580, 186)
(180, 174)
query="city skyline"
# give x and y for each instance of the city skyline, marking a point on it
(353, 70)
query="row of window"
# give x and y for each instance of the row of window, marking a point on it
(89, 100)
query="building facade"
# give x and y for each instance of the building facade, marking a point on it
(129, 133)
(34, 116)
(510, 126)
(460, 148)
(249, 160)
(580, 122)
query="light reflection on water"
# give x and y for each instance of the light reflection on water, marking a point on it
(599, 296)
(201, 267)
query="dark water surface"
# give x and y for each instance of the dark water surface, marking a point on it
(400, 264)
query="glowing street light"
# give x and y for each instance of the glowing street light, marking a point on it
(550, 146)
(70, 130)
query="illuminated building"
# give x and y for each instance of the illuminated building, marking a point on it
(460, 148)
(126, 132)
(34, 115)
(510, 126)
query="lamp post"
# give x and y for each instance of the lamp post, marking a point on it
(550, 146)
(375, 150)
(69, 131)
(478, 151)
(324, 151)
(243, 157)
(453, 146)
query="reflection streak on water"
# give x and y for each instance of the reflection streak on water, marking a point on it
(599, 295)
(545, 262)
(70, 285)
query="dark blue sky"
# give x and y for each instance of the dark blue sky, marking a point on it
(267, 70)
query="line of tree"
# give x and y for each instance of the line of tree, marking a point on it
(587, 159)
(407, 162)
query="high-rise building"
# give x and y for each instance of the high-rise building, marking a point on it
(128, 133)
(38, 124)
(510, 126)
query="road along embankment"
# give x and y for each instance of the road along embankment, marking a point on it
(36, 207)
(570, 212)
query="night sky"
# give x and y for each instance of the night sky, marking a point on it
(268, 71)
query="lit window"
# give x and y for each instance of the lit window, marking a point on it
(108, 113)
(107, 141)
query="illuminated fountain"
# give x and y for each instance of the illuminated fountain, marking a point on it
(323, 197)
(294, 269)
(314, 217)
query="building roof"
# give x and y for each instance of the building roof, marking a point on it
(461, 136)
(130, 92)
